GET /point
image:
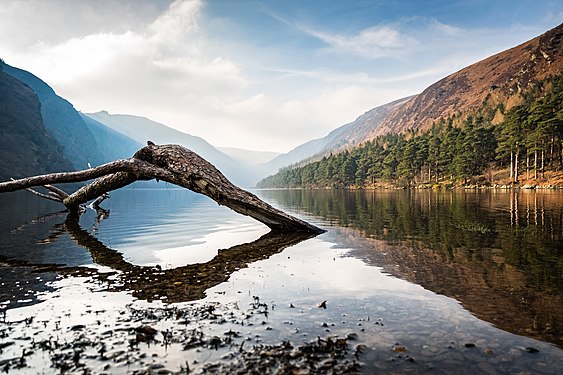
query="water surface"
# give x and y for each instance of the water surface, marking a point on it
(499, 253)
(455, 282)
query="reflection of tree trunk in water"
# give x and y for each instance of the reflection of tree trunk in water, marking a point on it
(170, 163)
(182, 167)
(180, 284)
(514, 208)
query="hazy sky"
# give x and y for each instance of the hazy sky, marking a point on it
(261, 75)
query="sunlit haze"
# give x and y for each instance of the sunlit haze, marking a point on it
(260, 75)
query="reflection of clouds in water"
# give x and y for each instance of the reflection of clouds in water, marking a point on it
(205, 248)
(315, 266)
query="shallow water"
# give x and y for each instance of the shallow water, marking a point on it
(452, 281)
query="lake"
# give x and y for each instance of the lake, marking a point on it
(465, 282)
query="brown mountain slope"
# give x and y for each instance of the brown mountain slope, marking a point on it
(505, 76)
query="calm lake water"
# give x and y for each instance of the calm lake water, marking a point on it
(448, 281)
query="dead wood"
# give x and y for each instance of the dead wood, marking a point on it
(171, 163)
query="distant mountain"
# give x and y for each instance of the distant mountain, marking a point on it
(248, 157)
(142, 129)
(345, 136)
(100, 137)
(82, 144)
(111, 145)
(26, 148)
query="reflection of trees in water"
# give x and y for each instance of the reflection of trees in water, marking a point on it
(180, 284)
(526, 227)
(497, 253)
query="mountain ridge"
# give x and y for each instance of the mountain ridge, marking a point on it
(250, 157)
(344, 136)
(82, 145)
(503, 78)
(142, 129)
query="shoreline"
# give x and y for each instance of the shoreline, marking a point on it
(553, 180)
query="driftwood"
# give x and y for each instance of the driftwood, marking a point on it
(171, 163)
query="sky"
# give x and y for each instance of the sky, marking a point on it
(260, 75)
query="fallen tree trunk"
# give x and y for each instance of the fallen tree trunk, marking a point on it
(170, 163)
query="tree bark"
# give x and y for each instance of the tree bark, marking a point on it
(516, 161)
(527, 165)
(536, 162)
(511, 166)
(542, 163)
(170, 163)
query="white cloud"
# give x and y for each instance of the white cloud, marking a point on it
(25, 23)
(160, 62)
(176, 24)
(444, 29)
(79, 58)
(164, 72)
(161, 72)
(372, 43)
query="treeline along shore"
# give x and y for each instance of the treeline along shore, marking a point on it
(494, 146)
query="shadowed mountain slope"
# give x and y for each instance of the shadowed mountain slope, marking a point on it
(83, 142)
(142, 129)
(26, 148)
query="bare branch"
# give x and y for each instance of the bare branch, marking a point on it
(66, 177)
(61, 193)
(46, 196)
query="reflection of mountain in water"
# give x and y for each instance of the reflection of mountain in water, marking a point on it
(497, 253)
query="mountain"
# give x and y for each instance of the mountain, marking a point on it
(142, 129)
(255, 163)
(111, 144)
(248, 157)
(347, 135)
(497, 121)
(26, 148)
(100, 137)
(501, 80)
(82, 144)
(61, 120)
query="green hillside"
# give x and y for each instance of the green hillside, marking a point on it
(528, 142)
